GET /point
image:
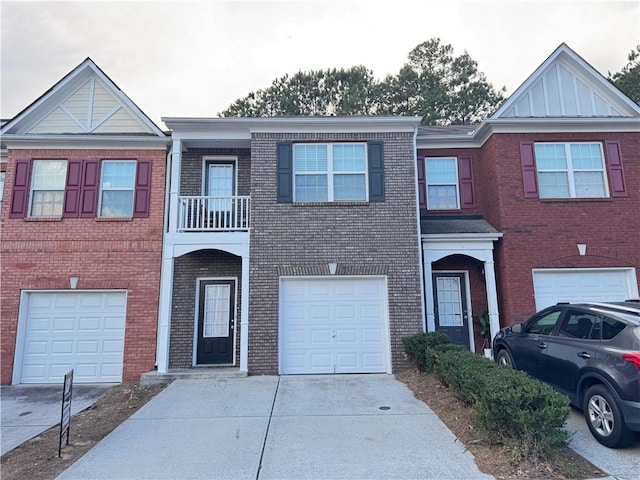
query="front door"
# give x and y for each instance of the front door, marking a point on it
(451, 307)
(216, 322)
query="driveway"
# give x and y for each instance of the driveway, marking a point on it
(290, 427)
(28, 410)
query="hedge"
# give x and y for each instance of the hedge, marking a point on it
(509, 407)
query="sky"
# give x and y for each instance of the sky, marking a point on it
(194, 58)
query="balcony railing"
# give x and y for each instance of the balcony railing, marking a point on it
(213, 214)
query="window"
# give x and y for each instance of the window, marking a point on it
(47, 188)
(442, 183)
(330, 172)
(117, 185)
(544, 324)
(611, 328)
(570, 170)
(581, 325)
(1, 187)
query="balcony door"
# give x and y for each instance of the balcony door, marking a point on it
(220, 185)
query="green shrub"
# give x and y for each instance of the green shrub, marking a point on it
(465, 373)
(515, 409)
(416, 346)
(432, 354)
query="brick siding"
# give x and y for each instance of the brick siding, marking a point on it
(42, 255)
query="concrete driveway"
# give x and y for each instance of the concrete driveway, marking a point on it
(297, 427)
(28, 410)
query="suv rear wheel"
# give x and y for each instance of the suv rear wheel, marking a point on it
(604, 418)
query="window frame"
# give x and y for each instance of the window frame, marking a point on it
(2, 179)
(33, 189)
(101, 188)
(428, 184)
(570, 171)
(330, 172)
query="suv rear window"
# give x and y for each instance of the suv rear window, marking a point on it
(611, 328)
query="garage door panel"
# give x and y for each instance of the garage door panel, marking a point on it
(333, 326)
(551, 287)
(79, 330)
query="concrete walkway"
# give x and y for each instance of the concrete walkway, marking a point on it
(298, 427)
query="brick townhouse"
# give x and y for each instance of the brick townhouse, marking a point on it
(82, 217)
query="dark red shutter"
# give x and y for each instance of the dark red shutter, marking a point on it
(89, 192)
(143, 189)
(529, 175)
(72, 189)
(616, 173)
(20, 192)
(422, 185)
(465, 173)
(284, 172)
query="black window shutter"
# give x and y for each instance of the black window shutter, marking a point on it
(376, 170)
(284, 172)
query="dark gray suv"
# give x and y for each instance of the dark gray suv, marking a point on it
(590, 352)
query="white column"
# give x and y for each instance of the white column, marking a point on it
(492, 297)
(164, 312)
(174, 189)
(244, 316)
(428, 287)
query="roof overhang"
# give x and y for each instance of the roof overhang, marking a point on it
(530, 125)
(460, 237)
(75, 142)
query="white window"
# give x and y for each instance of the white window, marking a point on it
(571, 170)
(330, 172)
(1, 187)
(442, 183)
(47, 188)
(117, 185)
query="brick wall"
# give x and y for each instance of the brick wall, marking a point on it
(363, 239)
(187, 269)
(544, 233)
(103, 254)
(192, 168)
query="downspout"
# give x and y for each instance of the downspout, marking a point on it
(420, 257)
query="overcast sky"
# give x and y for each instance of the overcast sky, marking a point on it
(195, 58)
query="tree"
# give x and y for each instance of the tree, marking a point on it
(434, 84)
(317, 92)
(628, 79)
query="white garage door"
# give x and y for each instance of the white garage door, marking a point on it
(79, 330)
(333, 326)
(576, 285)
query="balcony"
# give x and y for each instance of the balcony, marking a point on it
(213, 214)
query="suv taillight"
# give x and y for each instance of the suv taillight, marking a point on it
(633, 357)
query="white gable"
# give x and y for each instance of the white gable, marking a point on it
(567, 86)
(86, 101)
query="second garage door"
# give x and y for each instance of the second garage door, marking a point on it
(579, 285)
(330, 325)
(79, 330)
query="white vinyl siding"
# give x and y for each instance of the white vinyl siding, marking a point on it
(571, 170)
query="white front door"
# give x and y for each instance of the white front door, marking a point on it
(330, 325)
(579, 285)
(79, 330)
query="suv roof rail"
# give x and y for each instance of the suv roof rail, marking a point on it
(616, 306)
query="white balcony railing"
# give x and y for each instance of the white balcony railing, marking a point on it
(213, 214)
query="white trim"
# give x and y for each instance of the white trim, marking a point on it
(23, 315)
(194, 362)
(420, 253)
(469, 315)
(223, 159)
(457, 184)
(83, 142)
(385, 307)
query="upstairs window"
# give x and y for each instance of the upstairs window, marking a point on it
(442, 183)
(330, 172)
(117, 186)
(47, 188)
(570, 170)
(1, 187)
